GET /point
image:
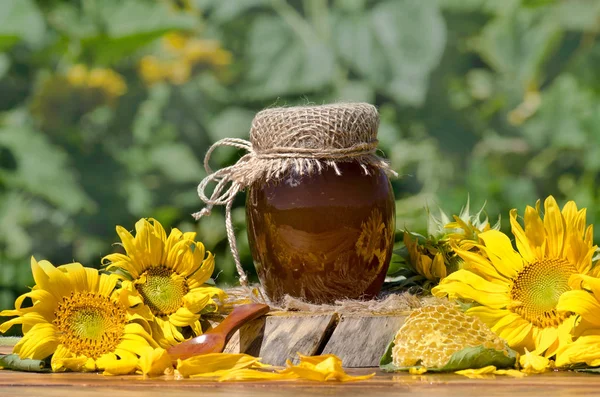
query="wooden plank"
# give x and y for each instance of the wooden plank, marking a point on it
(360, 341)
(277, 338)
(7, 343)
(383, 384)
(6, 349)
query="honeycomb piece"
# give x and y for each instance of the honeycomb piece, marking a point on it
(432, 334)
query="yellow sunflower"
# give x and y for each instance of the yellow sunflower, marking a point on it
(433, 257)
(516, 293)
(169, 273)
(79, 318)
(584, 300)
(426, 260)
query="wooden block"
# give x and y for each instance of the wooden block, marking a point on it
(360, 341)
(278, 338)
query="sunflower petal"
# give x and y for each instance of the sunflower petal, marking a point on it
(154, 362)
(208, 364)
(49, 278)
(113, 365)
(582, 303)
(586, 349)
(40, 342)
(500, 251)
(534, 229)
(523, 244)
(555, 226)
(467, 285)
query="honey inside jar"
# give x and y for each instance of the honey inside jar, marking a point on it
(325, 236)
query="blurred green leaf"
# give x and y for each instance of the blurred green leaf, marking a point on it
(227, 10)
(355, 91)
(579, 15)
(4, 64)
(280, 62)
(395, 46)
(20, 20)
(559, 121)
(232, 122)
(69, 20)
(517, 45)
(129, 26)
(42, 169)
(15, 214)
(177, 162)
(489, 6)
(538, 3)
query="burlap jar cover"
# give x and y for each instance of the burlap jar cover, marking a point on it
(302, 140)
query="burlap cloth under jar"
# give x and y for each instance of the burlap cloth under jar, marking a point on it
(303, 140)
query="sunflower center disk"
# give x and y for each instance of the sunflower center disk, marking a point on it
(538, 287)
(163, 290)
(90, 324)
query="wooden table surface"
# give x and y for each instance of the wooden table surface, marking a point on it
(92, 385)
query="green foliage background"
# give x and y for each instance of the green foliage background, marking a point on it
(496, 99)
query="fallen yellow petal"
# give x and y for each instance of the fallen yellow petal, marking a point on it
(232, 367)
(113, 366)
(510, 372)
(321, 368)
(532, 363)
(154, 362)
(480, 373)
(477, 373)
(417, 370)
(253, 374)
(215, 364)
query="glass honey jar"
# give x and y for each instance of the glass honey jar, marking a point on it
(322, 237)
(320, 207)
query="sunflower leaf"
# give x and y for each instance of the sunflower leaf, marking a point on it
(464, 306)
(468, 358)
(479, 357)
(13, 362)
(590, 370)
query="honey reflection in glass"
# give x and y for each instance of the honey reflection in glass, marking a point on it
(322, 237)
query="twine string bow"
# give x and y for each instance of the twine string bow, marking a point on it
(223, 196)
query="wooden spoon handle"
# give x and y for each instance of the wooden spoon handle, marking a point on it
(238, 317)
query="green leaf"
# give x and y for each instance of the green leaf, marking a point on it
(395, 46)
(537, 3)
(20, 20)
(4, 64)
(42, 169)
(487, 6)
(128, 26)
(386, 361)
(222, 11)
(15, 213)
(68, 19)
(561, 118)
(517, 44)
(177, 162)
(590, 370)
(232, 122)
(356, 91)
(579, 15)
(283, 62)
(13, 362)
(468, 358)
(479, 357)
(150, 115)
